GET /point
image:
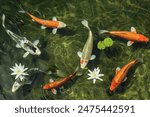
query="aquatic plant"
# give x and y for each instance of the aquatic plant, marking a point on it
(108, 42)
(19, 71)
(95, 75)
(101, 45)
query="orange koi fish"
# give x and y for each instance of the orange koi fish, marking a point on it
(121, 74)
(47, 23)
(59, 83)
(130, 36)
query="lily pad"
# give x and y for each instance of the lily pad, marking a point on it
(108, 42)
(101, 45)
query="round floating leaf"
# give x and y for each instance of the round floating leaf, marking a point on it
(101, 45)
(108, 42)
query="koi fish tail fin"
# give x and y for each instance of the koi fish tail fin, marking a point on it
(103, 31)
(21, 7)
(22, 11)
(85, 23)
(3, 21)
(139, 60)
(77, 69)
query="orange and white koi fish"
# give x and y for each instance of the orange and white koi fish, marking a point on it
(59, 83)
(47, 23)
(130, 36)
(121, 75)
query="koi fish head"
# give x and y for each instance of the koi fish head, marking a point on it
(143, 38)
(61, 25)
(37, 51)
(113, 86)
(83, 63)
(47, 86)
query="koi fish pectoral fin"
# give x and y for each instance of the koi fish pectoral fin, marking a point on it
(133, 30)
(33, 20)
(54, 18)
(36, 42)
(43, 27)
(117, 69)
(129, 43)
(26, 54)
(79, 53)
(51, 80)
(54, 91)
(125, 79)
(93, 57)
(18, 46)
(54, 31)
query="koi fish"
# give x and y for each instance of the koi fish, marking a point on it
(86, 53)
(121, 75)
(47, 23)
(19, 83)
(130, 36)
(59, 83)
(22, 42)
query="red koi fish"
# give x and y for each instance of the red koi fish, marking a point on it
(59, 83)
(47, 23)
(121, 74)
(130, 36)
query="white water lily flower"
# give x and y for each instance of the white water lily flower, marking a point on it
(19, 70)
(95, 75)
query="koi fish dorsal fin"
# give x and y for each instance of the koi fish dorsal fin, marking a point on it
(117, 69)
(129, 43)
(133, 30)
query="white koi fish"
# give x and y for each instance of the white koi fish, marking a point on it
(23, 42)
(86, 53)
(21, 81)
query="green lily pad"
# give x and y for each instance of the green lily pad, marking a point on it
(108, 42)
(101, 45)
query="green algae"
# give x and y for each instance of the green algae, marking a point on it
(59, 52)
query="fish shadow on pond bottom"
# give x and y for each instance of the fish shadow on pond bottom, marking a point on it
(35, 78)
(64, 31)
(126, 84)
